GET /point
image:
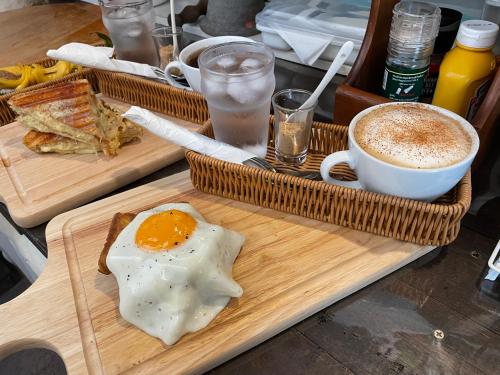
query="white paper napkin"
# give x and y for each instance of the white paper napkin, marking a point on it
(308, 47)
(174, 133)
(100, 58)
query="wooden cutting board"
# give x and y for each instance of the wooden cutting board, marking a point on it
(37, 187)
(289, 268)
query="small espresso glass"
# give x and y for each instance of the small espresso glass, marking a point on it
(292, 126)
(168, 44)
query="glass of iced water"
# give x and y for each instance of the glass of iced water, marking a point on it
(237, 79)
(129, 24)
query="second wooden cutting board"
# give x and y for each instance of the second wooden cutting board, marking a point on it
(37, 187)
(289, 268)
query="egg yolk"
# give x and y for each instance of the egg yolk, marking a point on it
(165, 230)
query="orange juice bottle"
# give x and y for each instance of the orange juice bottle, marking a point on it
(466, 71)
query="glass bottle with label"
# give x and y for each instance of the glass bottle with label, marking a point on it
(466, 71)
(414, 28)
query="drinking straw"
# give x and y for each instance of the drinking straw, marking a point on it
(174, 29)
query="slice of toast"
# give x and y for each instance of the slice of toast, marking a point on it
(118, 223)
(65, 109)
(50, 142)
(76, 116)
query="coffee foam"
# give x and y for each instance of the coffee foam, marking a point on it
(412, 136)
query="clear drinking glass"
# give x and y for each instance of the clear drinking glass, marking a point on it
(237, 79)
(129, 24)
(169, 43)
(292, 126)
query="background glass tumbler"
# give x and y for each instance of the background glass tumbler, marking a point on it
(129, 24)
(168, 43)
(292, 126)
(237, 79)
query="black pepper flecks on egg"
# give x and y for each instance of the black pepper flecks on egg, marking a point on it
(176, 243)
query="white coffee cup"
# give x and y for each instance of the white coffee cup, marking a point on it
(192, 74)
(382, 177)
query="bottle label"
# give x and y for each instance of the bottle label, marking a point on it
(403, 84)
(477, 98)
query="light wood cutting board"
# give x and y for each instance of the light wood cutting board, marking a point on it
(37, 187)
(289, 268)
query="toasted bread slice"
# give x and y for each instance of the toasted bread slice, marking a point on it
(66, 110)
(49, 142)
(118, 223)
(75, 117)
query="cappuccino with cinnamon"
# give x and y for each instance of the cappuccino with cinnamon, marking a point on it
(413, 136)
(410, 150)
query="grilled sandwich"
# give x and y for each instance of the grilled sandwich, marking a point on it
(68, 118)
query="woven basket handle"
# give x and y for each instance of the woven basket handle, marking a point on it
(332, 160)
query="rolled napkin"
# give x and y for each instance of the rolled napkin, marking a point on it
(100, 58)
(166, 129)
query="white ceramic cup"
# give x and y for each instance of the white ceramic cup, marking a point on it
(192, 74)
(382, 177)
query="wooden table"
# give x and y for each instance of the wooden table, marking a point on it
(28, 33)
(430, 317)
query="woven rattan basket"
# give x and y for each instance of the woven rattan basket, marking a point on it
(159, 97)
(422, 223)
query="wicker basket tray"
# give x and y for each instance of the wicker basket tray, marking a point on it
(422, 223)
(159, 97)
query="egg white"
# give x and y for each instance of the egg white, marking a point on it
(170, 293)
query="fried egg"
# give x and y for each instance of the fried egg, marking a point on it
(174, 270)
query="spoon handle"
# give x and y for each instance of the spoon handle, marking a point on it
(339, 60)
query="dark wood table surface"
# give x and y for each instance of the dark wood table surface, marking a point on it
(435, 316)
